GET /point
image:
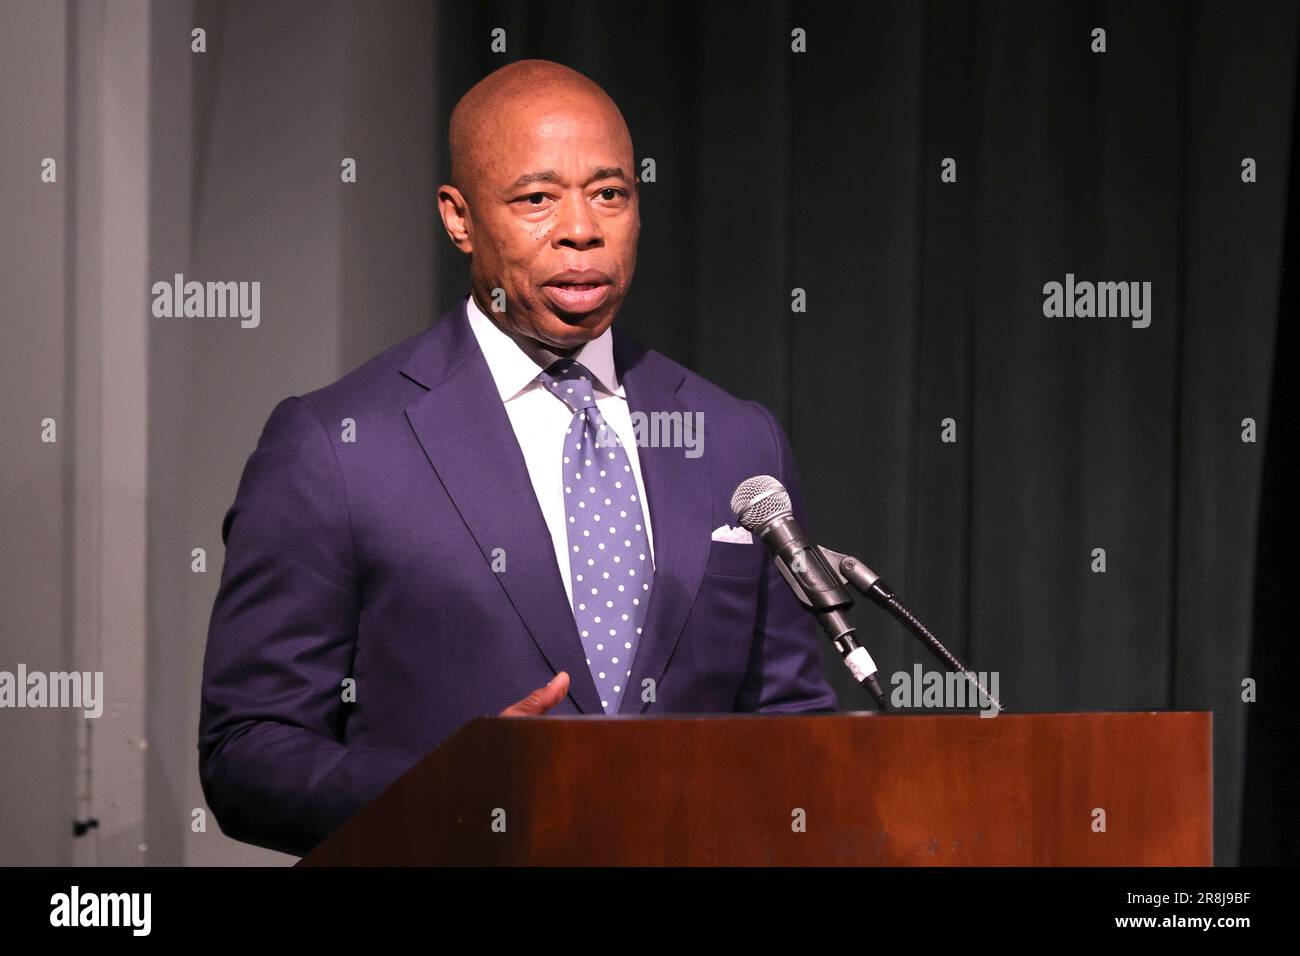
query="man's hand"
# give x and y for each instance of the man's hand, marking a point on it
(542, 699)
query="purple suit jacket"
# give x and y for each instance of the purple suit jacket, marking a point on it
(373, 560)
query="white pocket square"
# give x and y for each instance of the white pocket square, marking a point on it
(735, 535)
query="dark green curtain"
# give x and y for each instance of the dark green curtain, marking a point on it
(1272, 793)
(821, 171)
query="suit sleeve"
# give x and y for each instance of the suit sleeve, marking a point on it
(785, 669)
(281, 641)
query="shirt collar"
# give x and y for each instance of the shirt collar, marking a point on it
(515, 365)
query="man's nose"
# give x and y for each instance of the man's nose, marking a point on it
(578, 227)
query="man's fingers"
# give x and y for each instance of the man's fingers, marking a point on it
(542, 699)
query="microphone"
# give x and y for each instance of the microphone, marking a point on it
(762, 506)
(818, 577)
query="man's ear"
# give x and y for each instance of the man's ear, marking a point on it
(455, 217)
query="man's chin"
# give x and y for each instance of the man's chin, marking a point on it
(563, 331)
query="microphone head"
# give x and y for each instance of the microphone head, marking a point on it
(758, 500)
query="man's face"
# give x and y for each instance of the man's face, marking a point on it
(553, 219)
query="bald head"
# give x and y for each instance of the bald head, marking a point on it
(483, 119)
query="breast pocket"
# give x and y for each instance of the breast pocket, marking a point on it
(725, 615)
(735, 560)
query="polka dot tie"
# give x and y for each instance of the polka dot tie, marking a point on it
(609, 554)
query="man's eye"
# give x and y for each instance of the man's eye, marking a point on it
(538, 197)
(611, 189)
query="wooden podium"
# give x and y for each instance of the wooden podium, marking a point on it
(856, 789)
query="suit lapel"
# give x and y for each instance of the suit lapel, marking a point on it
(677, 492)
(468, 439)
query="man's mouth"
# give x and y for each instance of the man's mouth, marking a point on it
(577, 292)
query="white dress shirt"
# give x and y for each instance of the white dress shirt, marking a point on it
(540, 420)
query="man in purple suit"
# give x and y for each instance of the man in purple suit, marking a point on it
(516, 511)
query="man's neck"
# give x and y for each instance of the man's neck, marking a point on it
(543, 353)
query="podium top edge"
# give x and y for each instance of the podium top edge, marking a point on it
(908, 714)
